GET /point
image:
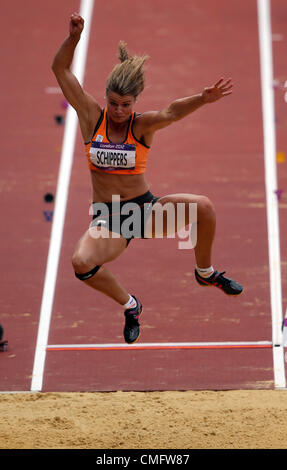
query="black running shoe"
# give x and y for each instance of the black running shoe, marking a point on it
(3, 344)
(217, 279)
(132, 326)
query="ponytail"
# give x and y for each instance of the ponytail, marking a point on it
(127, 78)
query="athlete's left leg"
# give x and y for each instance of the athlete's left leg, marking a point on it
(203, 219)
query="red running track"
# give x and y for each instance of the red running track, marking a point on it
(219, 153)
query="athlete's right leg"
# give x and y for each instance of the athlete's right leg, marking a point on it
(90, 254)
(93, 251)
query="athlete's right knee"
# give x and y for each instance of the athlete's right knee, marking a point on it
(82, 268)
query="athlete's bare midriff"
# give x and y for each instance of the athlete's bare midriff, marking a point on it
(105, 186)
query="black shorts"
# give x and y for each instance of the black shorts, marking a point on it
(128, 218)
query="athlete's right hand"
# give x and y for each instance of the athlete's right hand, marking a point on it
(76, 25)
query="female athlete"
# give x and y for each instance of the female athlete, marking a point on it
(117, 142)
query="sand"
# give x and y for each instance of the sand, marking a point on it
(247, 419)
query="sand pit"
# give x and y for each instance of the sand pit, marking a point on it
(255, 419)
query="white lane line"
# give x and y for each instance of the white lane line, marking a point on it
(69, 139)
(266, 67)
(284, 326)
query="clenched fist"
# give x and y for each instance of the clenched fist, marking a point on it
(76, 25)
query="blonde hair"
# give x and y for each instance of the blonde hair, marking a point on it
(127, 78)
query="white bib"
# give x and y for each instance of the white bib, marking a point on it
(111, 156)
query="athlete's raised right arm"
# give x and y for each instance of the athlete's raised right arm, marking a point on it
(87, 108)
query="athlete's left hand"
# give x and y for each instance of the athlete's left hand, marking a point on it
(219, 90)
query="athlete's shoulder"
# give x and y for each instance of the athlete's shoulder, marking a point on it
(145, 119)
(89, 116)
(153, 120)
(145, 116)
(94, 106)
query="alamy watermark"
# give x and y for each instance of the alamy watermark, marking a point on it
(158, 220)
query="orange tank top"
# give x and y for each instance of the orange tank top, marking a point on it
(127, 158)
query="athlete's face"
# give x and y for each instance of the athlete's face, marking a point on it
(120, 107)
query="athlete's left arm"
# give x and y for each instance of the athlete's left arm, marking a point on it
(178, 109)
(185, 106)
